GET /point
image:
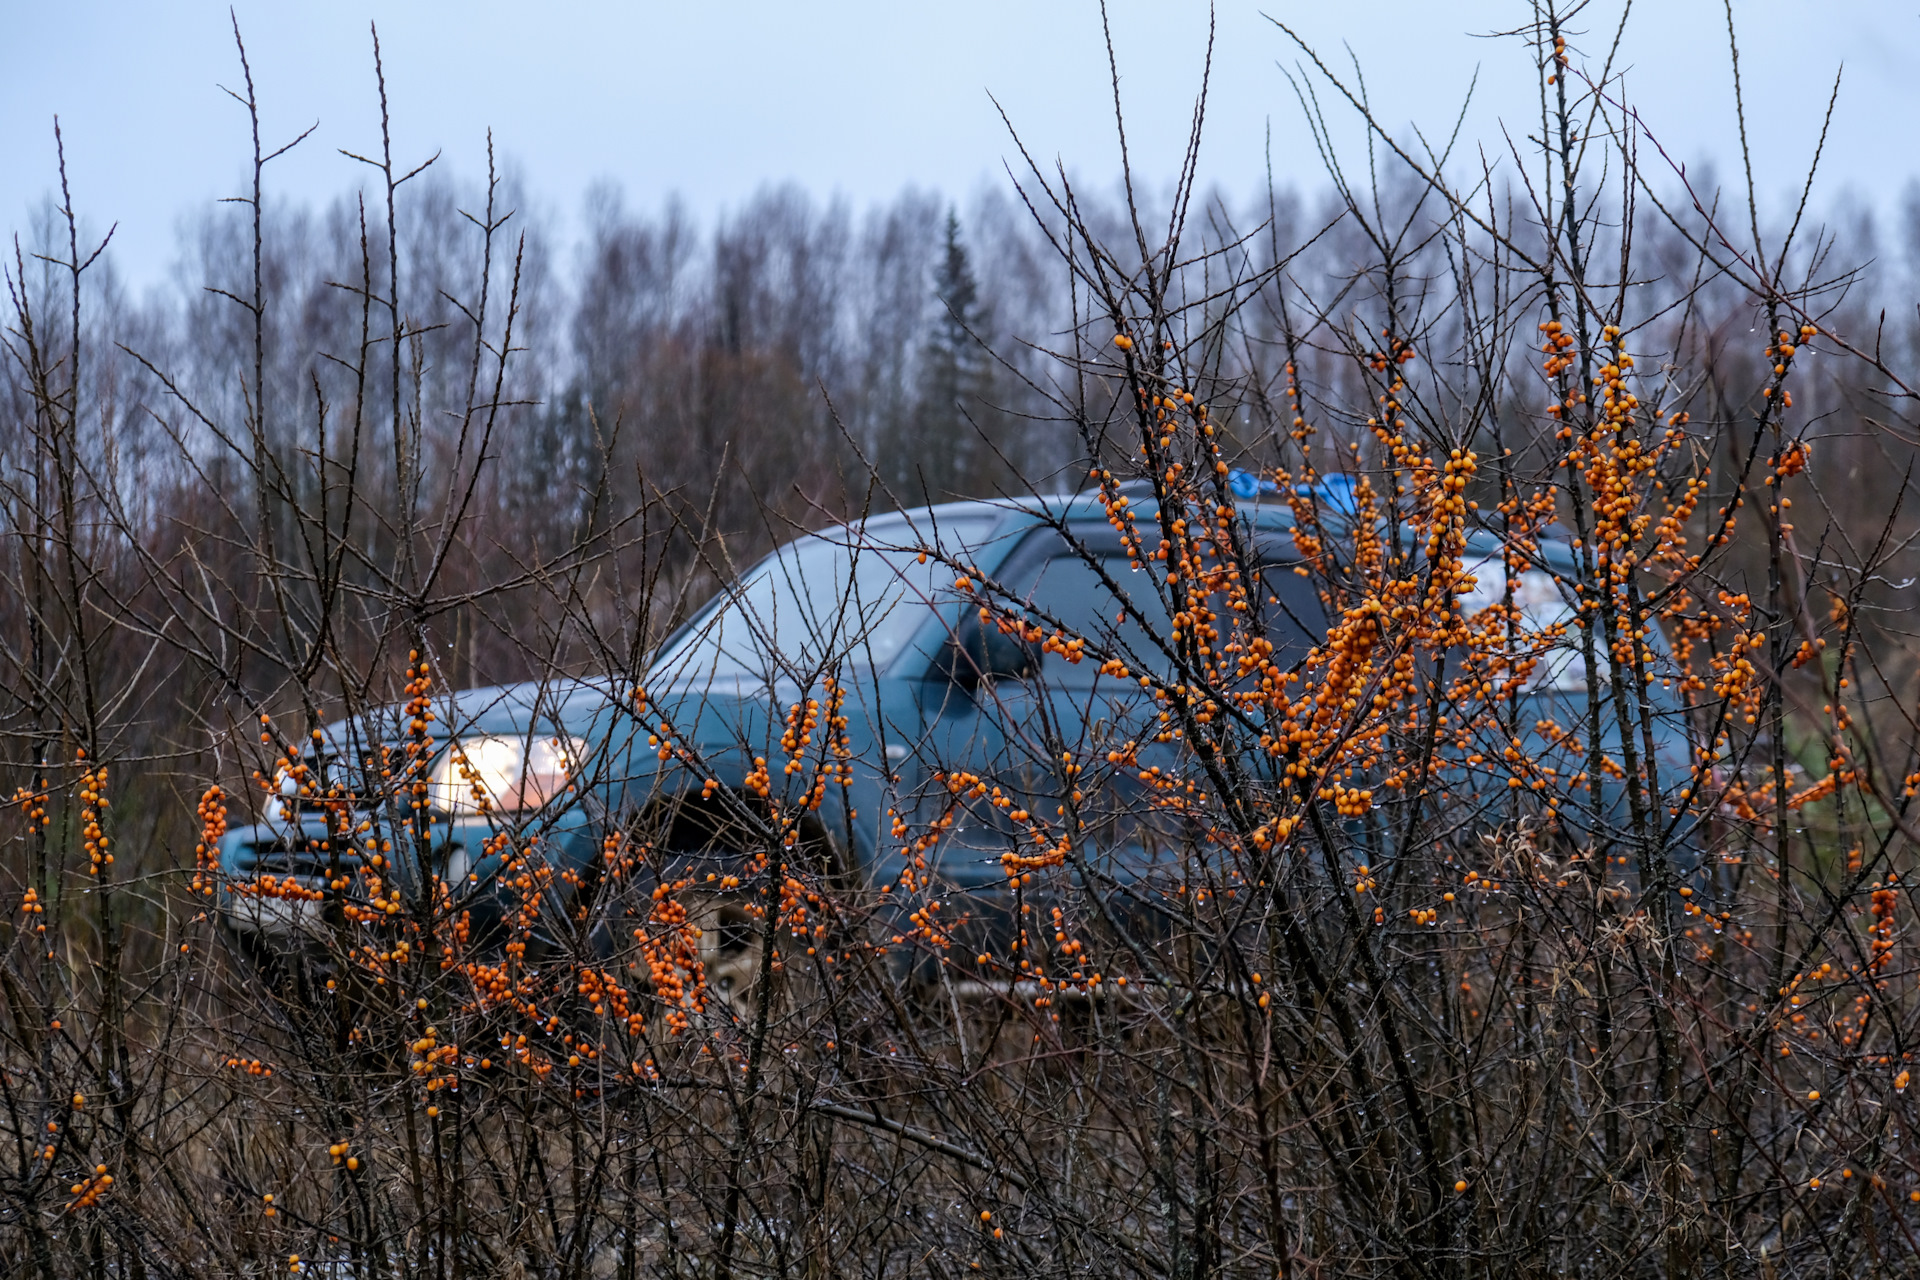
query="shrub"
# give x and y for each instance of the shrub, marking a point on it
(1544, 913)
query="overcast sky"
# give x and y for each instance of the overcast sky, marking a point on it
(861, 97)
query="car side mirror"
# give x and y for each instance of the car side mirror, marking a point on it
(980, 651)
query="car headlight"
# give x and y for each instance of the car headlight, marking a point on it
(494, 773)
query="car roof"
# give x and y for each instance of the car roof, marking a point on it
(1266, 511)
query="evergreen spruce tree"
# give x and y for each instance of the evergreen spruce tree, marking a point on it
(944, 455)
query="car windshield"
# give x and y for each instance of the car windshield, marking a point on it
(819, 597)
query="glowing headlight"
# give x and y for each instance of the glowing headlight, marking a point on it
(498, 774)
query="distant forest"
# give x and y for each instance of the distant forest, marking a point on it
(794, 360)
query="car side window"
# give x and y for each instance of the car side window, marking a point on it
(1069, 589)
(1291, 611)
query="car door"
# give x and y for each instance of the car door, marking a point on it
(1068, 734)
(1078, 734)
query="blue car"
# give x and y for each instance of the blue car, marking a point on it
(916, 693)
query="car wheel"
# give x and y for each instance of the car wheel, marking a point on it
(732, 949)
(710, 840)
